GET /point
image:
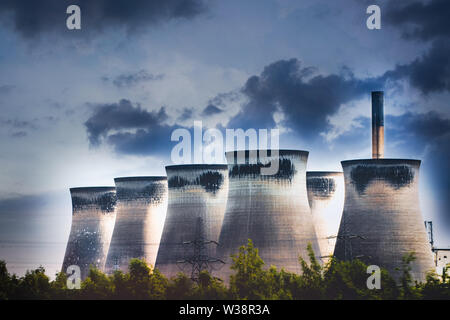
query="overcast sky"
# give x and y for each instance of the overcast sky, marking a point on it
(81, 107)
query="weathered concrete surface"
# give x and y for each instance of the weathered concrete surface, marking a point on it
(141, 211)
(92, 225)
(273, 211)
(326, 199)
(197, 195)
(381, 221)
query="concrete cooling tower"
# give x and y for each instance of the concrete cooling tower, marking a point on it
(326, 200)
(271, 210)
(93, 216)
(381, 221)
(141, 211)
(196, 207)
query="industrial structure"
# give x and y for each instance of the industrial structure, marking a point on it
(93, 216)
(271, 210)
(141, 210)
(326, 200)
(442, 261)
(196, 207)
(200, 214)
(381, 221)
(377, 125)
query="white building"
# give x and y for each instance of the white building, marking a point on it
(441, 259)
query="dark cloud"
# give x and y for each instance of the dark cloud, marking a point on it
(429, 73)
(186, 114)
(19, 134)
(211, 110)
(18, 128)
(419, 20)
(305, 98)
(425, 127)
(424, 21)
(132, 79)
(130, 129)
(31, 17)
(18, 124)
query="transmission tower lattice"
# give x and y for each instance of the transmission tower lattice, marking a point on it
(199, 260)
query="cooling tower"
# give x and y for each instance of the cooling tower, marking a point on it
(141, 210)
(271, 210)
(326, 200)
(196, 207)
(93, 216)
(381, 221)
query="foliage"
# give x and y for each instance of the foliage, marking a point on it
(251, 280)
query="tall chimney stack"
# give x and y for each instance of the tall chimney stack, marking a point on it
(377, 125)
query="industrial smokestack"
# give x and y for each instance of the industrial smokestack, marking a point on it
(381, 221)
(196, 207)
(377, 125)
(326, 200)
(141, 211)
(93, 216)
(271, 210)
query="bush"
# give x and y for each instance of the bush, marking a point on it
(336, 280)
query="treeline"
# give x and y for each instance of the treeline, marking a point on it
(336, 280)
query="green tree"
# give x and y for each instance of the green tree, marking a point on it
(346, 280)
(158, 285)
(310, 285)
(408, 290)
(139, 280)
(121, 285)
(6, 285)
(210, 288)
(250, 279)
(97, 285)
(34, 285)
(59, 287)
(280, 284)
(181, 288)
(435, 287)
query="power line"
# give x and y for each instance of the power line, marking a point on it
(199, 260)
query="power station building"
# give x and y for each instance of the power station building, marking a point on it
(326, 199)
(196, 207)
(381, 221)
(141, 211)
(271, 210)
(93, 216)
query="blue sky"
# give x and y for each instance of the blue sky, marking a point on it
(79, 108)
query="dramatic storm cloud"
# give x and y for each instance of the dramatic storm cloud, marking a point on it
(31, 17)
(211, 110)
(420, 20)
(424, 21)
(129, 129)
(305, 98)
(429, 73)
